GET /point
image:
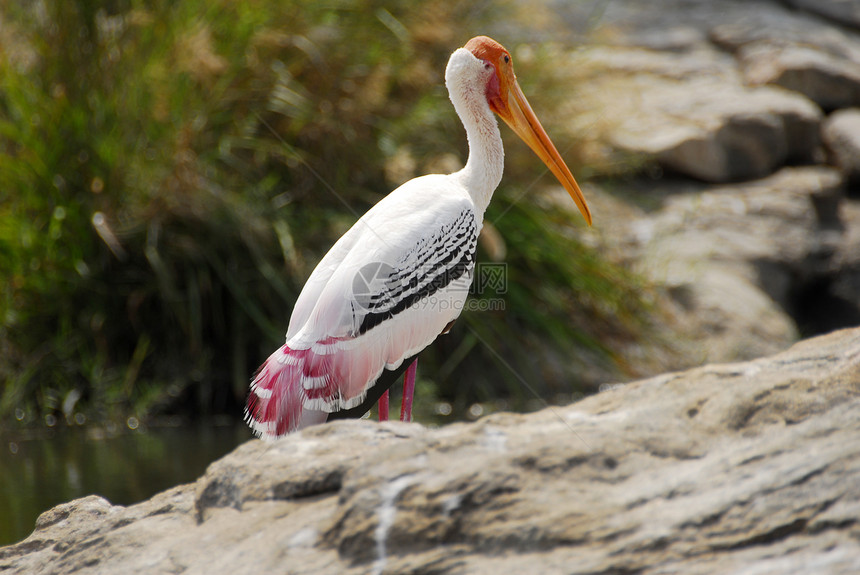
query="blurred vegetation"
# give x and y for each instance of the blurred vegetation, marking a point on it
(170, 173)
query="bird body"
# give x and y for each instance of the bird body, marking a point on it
(400, 276)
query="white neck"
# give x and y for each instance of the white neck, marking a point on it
(466, 78)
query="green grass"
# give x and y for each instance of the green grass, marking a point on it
(170, 173)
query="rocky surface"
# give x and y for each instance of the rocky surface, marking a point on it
(734, 126)
(747, 266)
(842, 136)
(699, 124)
(826, 79)
(744, 468)
(716, 91)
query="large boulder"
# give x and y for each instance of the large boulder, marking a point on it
(830, 81)
(720, 92)
(736, 260)
(718, 132)
(747, 467)
(731, 94)
(692, 113)
(841, 135)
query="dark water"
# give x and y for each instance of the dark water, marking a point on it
(47, 467)
(41, 468)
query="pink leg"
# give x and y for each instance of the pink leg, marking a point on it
(383, 407)
(408, 392)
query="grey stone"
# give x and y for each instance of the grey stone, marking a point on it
(841, 135)
(765, 23)
(829, 81)
(736, 259)
(692, 114)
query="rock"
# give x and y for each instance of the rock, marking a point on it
(737, 260)
(843, 11)
(692, 114)
(829, 81)
(723, 92)
(766, 23)
(747, 467)
(810, 57)
(841, 135)
(678, 83)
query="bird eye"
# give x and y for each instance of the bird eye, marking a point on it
(507, 59)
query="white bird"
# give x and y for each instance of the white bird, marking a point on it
(400, 276)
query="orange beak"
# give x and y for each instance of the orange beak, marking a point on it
(519, 116)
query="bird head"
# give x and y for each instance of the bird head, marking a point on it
(508, 101)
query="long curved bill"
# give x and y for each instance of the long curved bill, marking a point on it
(524, 122)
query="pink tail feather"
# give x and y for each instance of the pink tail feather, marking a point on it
(279, 390)
(295, 388)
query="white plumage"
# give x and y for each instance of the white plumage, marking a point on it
(400, 275)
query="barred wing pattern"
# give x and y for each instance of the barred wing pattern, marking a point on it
(445, 259)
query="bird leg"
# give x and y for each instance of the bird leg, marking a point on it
(383, 406)
(408, 392)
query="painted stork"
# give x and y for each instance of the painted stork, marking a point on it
(400, 276)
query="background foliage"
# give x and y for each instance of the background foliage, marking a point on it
(170, 173)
